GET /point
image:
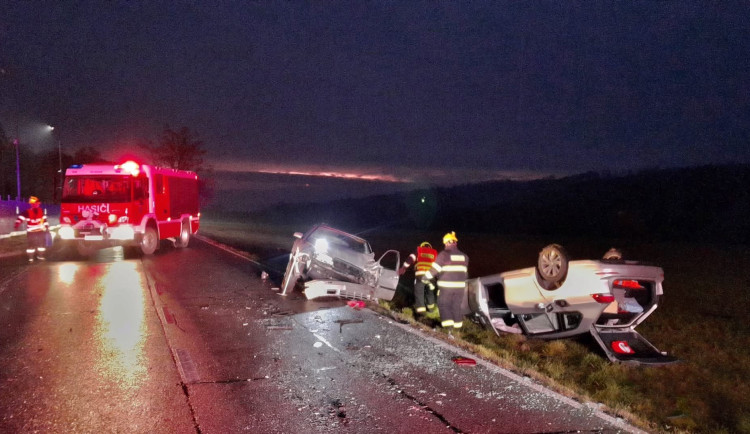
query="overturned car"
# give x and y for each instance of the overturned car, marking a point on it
(333, 263)
(561, 298)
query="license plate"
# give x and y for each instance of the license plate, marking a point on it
(93, 237)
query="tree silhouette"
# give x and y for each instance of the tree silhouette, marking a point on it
(177, 149)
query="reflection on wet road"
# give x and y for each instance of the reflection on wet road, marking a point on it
(82, 349)
(120, 330)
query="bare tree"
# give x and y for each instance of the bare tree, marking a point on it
(89, 155)
(177, 149)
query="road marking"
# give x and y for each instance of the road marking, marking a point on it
(185, 364)
(226, 249)
(323, 340)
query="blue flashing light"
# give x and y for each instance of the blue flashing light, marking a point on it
(76, 166)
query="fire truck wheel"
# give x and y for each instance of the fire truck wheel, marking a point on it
(149, 241)
(184, 238)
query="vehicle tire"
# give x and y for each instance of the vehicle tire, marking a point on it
(184, 238)
(552, 267)
(149, 241)
(291, 276)
(613, 254)
(84, 249)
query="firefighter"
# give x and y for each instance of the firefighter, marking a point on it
(422, 261)
(36, 228)
(450, 269)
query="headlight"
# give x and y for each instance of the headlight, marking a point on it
(66, 233)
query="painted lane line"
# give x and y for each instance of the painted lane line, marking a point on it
(324, 341)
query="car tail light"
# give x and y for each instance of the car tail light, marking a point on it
(627, 284)
(622, 347)
(603, 298)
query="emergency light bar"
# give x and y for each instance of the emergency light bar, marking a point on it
(129, 166)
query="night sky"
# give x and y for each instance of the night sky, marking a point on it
(407, 91)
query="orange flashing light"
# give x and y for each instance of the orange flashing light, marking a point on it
(130, 166)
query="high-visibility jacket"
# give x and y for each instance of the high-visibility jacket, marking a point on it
(424, 258)
(451, 268)
(35, 220)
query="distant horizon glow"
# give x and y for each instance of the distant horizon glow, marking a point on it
(391, 174)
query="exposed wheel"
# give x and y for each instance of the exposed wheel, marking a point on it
(84, 249)
(613, 254)
(149, 241)
(552, 266)
(184, 238)
(291, 276)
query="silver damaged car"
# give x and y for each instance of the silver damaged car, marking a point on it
(334, 263)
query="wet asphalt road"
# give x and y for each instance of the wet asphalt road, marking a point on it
(194, 341)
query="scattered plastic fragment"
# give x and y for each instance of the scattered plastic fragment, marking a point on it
(356, 304)
(464, 361)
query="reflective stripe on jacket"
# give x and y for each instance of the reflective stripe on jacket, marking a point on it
(35, 220)
(424, 258)
(451, 268)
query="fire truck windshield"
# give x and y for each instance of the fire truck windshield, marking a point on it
(101, 188)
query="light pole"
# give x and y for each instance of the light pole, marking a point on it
(50, 128)
(18, 172)
(59, 170)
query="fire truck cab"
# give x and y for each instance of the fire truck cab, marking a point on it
(128, 204)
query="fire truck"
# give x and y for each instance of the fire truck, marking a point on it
(128, 204)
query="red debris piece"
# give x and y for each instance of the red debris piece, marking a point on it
(464, 361)
(356, 304)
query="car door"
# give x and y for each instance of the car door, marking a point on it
(526, 301)
(389, 263)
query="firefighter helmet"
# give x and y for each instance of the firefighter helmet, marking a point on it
(450, 237)
(426, 244)
(33, 200)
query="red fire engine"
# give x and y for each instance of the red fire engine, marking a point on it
(128, 204)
